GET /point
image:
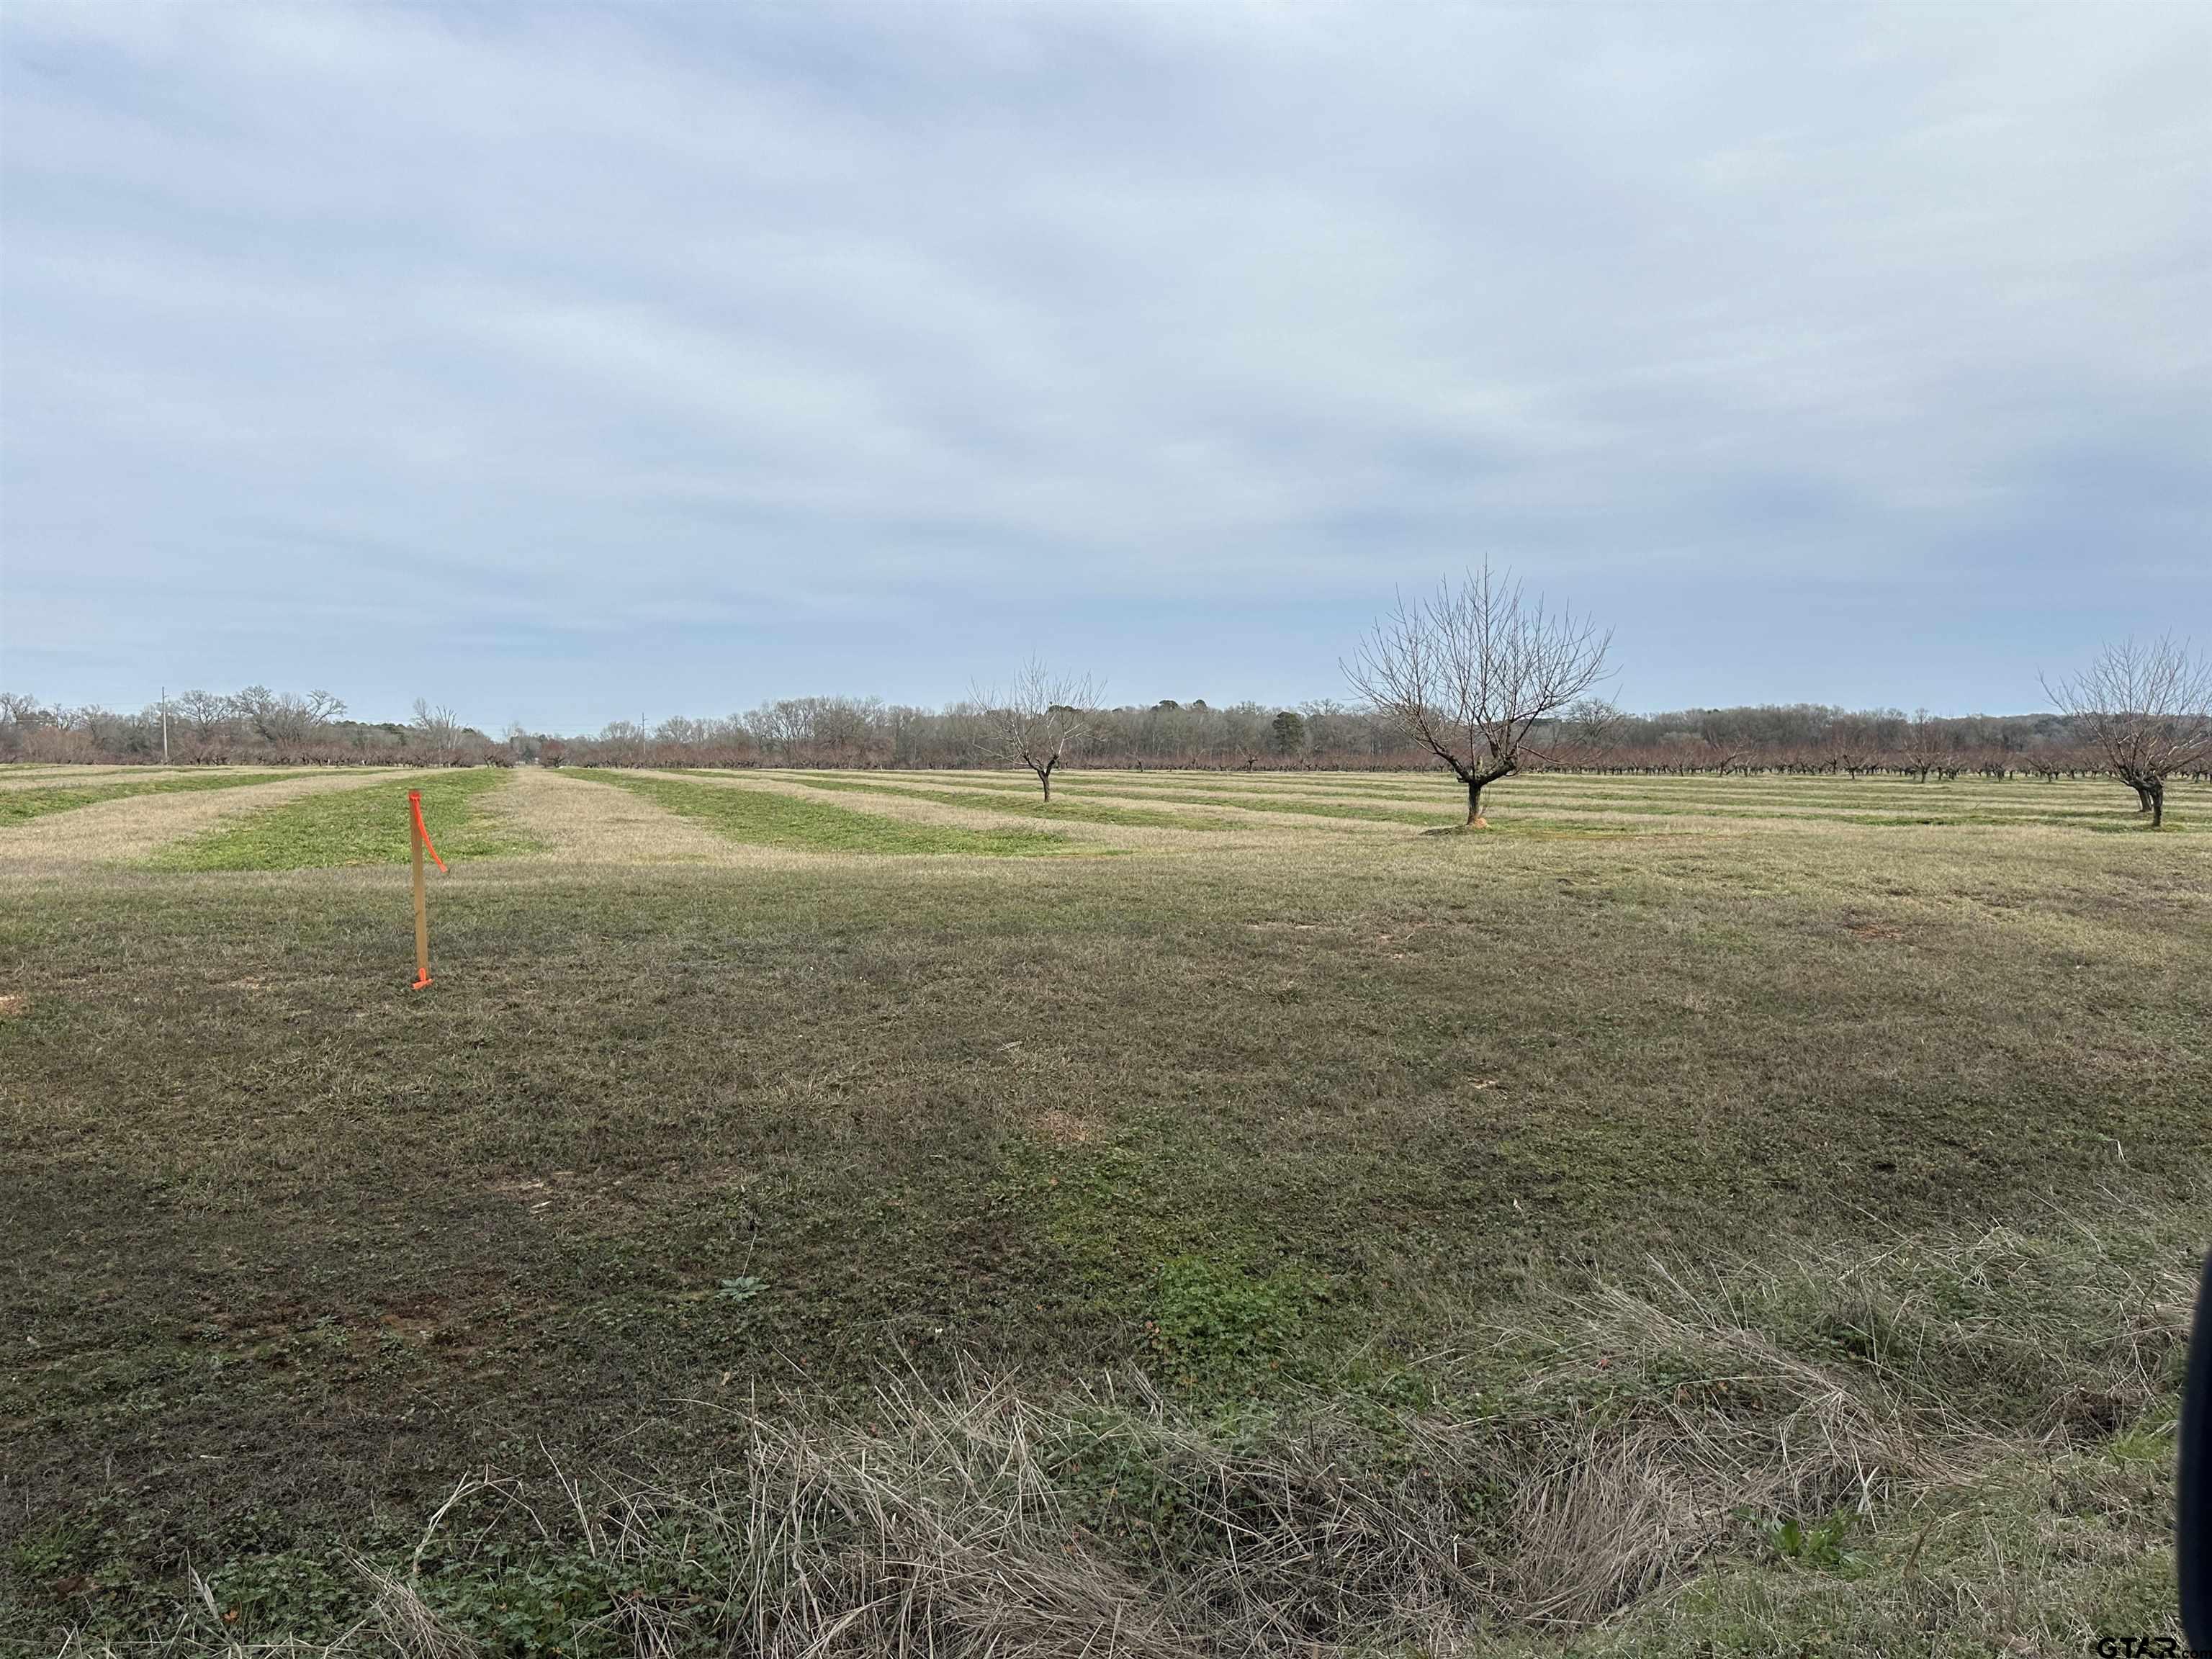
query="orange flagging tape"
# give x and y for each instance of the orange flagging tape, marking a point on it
(415, 803)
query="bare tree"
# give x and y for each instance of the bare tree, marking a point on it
(20, 715)
(1722, 736)
(439, 730)
(1037, 722)
(283, 720)
(776, 727)
(1848, 743)
(1467, 673)
(1923, 744)
(2148, 708)
(1578, 737)
(205, 714)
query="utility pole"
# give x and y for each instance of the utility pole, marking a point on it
(165, 726)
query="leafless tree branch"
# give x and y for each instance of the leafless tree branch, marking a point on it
(1468, 673)
(2147, 706)
(1036, 722)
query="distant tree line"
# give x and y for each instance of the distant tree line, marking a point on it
(259, 726)
(1481, 677)
(252, 727)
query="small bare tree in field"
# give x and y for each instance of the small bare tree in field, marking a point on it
(1467, 673)
(2148, 709)
(1037, 722)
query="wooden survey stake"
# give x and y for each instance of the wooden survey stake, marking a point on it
(418, 837)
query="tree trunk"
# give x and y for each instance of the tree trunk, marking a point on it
(1045, 778)
(1474, 818)
(2157, 792)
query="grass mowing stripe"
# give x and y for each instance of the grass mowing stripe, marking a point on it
(1401, 797)
(367, 825)
(1583, 791)
(760, 817)
(1839, 801)
(1961, 814)
(1254, 803)
(1412, 815)
(1873, 802)
(1028, 806)
(19, 806)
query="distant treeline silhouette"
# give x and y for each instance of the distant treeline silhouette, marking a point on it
(258, 726)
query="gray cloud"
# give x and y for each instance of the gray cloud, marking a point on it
(570, 363)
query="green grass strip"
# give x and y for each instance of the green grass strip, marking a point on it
(760, 817)
(19, 806)
(1001, 800)
(367, 825)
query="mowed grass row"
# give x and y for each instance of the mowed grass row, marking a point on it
(763, 818)
(1095, 801)
(1879, 804)
(1882, 794)
(366, 826)
(1088, 797)
(1091, 794)
(20, 806)
(27, 777)
(1020, 803)
(348, 828)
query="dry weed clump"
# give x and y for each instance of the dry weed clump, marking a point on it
(1568, 1466)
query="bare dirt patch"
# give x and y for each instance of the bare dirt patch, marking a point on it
(1875, 930)
(1065, 1129)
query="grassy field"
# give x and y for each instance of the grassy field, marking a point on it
(762, 818)
(37, 800)
(1702, 1216)
(333, 830)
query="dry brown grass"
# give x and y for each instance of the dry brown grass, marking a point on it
(1060, 1128)
(580, 821)
(46, 777)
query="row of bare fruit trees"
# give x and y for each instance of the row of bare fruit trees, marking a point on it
(1491, 681)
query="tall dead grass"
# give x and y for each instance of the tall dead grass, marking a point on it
(1579, 1459)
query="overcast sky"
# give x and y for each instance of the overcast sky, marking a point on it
(569, 364)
